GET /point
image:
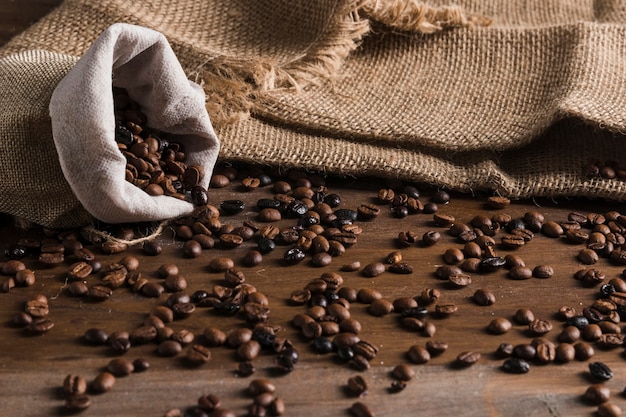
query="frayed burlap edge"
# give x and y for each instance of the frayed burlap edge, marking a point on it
(235, 87)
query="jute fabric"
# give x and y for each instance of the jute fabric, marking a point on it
(486, 95)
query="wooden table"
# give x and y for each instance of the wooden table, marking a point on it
(32, 368)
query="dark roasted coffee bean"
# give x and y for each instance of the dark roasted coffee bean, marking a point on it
(600, 371)
(359, 409)
(40, 326)
(492, 263)
(293, 256)
(357, 385)
(199, 196)
(231, 207)
(78, 402)
(152, 248)
(516, 365)
(140, 365)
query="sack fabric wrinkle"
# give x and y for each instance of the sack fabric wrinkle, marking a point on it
(497, 95)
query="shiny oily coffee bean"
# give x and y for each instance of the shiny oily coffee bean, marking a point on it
(516, 365)
(600, 371)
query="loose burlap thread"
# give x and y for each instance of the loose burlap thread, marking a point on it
(509, 97)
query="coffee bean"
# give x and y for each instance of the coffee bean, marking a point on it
(418, 354)
(373, 269)
(431, 237)
(543, 271)
(445, 310)
(260, 386)
(103, 382)
(169, 348)
(368, 295)
(380, 307)
(484, 297)
(467, 358)
(152, 248)
(539, 327)
(120, 367)
(198, 354)
(40, 326)
(221, 264)
(359, 409)
(516, 366)
(74, 385)
(140, 365)
(403, 372)
(499, 325)
(77, 402)
(600, 371)
(597, 394)
(459, 280)
(609, 409)
(368, 211)
(357, 385)
(524, 316)
(583, 351)
(520, 273)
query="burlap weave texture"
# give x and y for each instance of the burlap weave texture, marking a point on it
(506, 96)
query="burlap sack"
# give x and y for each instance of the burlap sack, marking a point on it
(68, 164)
(510, 97)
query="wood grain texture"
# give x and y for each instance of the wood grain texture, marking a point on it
(33, 368)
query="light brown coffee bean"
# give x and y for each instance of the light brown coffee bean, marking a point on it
(418, 354)
(197, 354)
(484, 297)
(120, 367)
(74, 385)
(380, 307)
(373, 269)
(103, 382)
(499, 325)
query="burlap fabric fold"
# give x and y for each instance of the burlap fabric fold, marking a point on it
(510, 97)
